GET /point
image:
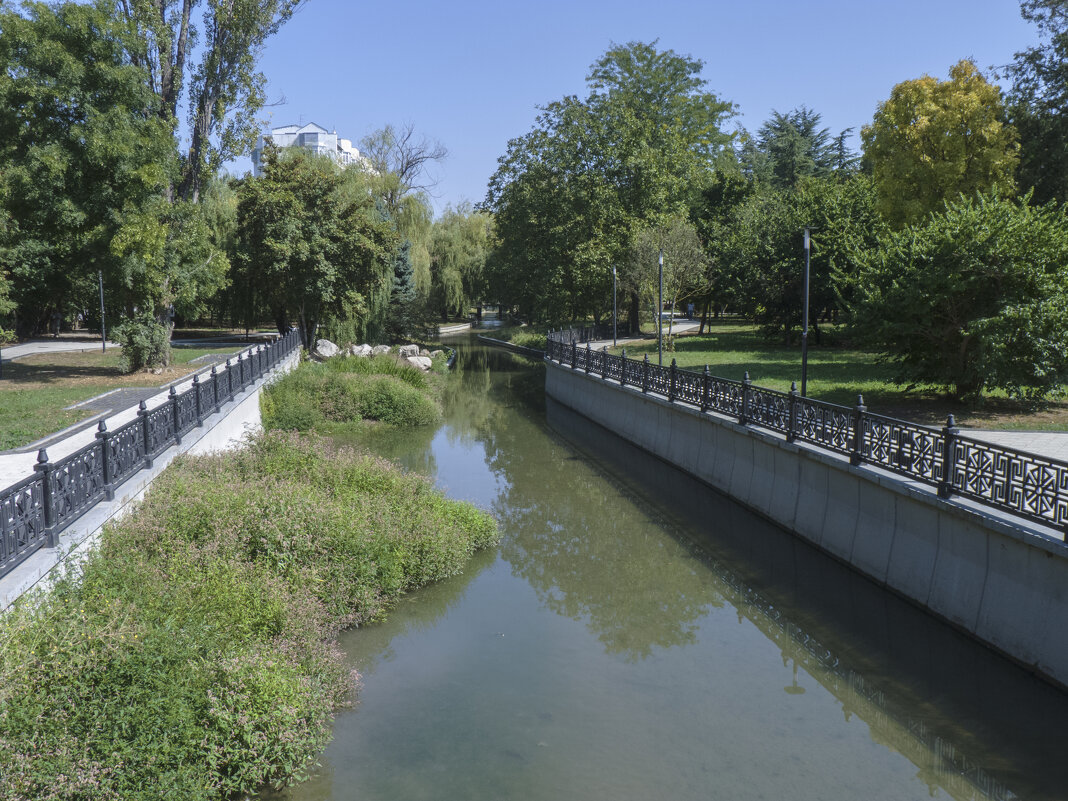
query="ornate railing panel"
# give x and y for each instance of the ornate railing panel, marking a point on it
(126, 451)
(689, 387)
(769, 408)
(1024, 484)
(658, 380)
(77, 483)
(22, 521)
(186, 412)
(33, 510)
(1028, 485)
(825, 424)
(907, 448)
(160, 423)
(725, 396)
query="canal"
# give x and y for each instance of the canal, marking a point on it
(636, 636)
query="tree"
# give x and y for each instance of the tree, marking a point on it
(934, 140)
(405, 317)
(763, 246)
(223, 88)
(460, 245)
(1037, 101)
(789, 146)
(402, 179)
(569, 195)
(684, 264)
(973, 299)
(713, 214)
(306, 247)
(84, 161)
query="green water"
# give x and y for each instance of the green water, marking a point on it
(636, 636)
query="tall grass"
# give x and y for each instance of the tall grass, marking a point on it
(346, 391)
(195, 655)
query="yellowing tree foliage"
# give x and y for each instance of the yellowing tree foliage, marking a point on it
(932, 141)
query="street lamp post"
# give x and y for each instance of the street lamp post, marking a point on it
(615, 323)
(103, 334)
(660, 311)
(804, 324)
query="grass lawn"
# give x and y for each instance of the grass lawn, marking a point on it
(838, 375)
(35, 390)
(218, 333)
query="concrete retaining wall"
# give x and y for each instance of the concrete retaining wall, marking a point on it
(221, 431)
(1002, 581)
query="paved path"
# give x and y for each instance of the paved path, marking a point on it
(1051, 444)
(11, 352)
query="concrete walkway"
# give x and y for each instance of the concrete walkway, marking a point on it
(1051, 444)
(11, 352)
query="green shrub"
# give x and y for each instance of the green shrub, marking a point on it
(195, 657)
(392, 401)
(349, 390)
(145, 343)
(379, 365)
(529, 339)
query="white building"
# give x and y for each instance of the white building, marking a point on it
(314, 138)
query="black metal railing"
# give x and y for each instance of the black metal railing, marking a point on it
(1024, 484)
(34, 510)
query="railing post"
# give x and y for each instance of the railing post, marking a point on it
(44, 467)
(791, 428)
(949, 457)
(604, 363)
(743, 415)
(704, 390)
(645, 374)
(574, 353)
(229, 381)
(173, 398)
(142, 415)
(196, 398)
(857, 455)
(623, 368)
(589, 358)
(671, 383)
(105, 459)
(214, 390)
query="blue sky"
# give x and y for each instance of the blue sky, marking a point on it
(471, 74)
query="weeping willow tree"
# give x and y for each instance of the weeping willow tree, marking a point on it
(403, 179)
(460, 243)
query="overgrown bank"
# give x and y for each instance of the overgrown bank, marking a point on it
(195, 658)
(348, 390)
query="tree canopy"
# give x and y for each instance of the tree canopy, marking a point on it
(975, 298)
(307, 247)
(1037, 100)
(934, 140)
(569, 196)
